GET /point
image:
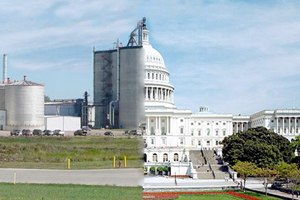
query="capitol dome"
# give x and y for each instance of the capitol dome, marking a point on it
(158, 92)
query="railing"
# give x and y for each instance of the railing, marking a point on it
(212, 171)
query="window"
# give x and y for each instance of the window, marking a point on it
(192, 132)
(199, 123)
(152, 130)
(175, 157)
(224, 123)
(207, 123)
(152, 140)
(192, 142)
(154, 157)
(181, 141)
(152, 120)
(199, 132)
(163, 120)
(208, 131)
(163, 140)
(192, 123)
(217, 142)
(199, 142)
(181, 120)
(224, 132)
(217, 133)
(217, 123)
(163, 130)
(208, 143)
(181, 130)
(165, 157)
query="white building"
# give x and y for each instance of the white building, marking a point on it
(172, 133)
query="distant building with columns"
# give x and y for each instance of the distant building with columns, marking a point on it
(170, 133)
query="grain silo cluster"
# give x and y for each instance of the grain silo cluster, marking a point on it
(21, 103)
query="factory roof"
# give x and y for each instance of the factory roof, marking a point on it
(25, 83)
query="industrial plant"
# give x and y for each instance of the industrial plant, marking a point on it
(119, 83)
(21, 103)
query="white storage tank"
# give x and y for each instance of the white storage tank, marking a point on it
(24, 103)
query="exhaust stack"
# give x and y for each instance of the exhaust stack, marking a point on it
(4, 68)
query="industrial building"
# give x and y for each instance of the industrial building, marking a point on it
(119, 83)
(21, 103)
(22, 107)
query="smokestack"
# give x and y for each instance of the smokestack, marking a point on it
(4, 68)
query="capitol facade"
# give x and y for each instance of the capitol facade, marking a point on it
(132, 89)
(171, 133)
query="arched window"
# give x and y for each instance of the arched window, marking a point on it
(165, 157)
(154, 157)
(176, 157)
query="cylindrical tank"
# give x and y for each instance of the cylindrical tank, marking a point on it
(132, 73)
(24, 103)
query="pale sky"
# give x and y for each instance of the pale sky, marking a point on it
(235, 56)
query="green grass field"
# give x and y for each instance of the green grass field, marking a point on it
(67, 192)
(91, 152)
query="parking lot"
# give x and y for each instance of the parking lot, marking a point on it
(71, 133)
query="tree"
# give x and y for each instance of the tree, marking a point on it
(46, 98)
(257, 145)
(294, 176)
(269, 176)
(245, 169)
(284, 169)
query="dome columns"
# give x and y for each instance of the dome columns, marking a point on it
(158, 94)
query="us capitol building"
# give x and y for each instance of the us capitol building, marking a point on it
(171, 134)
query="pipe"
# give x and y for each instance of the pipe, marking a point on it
(4, 68)
(118, 83)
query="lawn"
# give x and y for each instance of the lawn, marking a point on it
(91, 152)
(66, 192)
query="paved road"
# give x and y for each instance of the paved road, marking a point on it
(117, 177)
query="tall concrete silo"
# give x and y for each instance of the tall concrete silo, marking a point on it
(132, 72)
(105, 87)
(24, 103)
(119, 83)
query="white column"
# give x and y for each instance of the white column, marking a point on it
(242, 124)
(159, 125)
(148, 125)
(277, 125)
(167, 124)
(156, 124)
(283, 125)
(289, 126)
(295, 120)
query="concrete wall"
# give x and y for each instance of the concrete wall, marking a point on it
(132, 72)
(65, 123)
(105, 85)
(24, 105)
(2, 98)
(2, 120)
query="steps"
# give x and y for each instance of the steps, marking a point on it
(218, 169)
